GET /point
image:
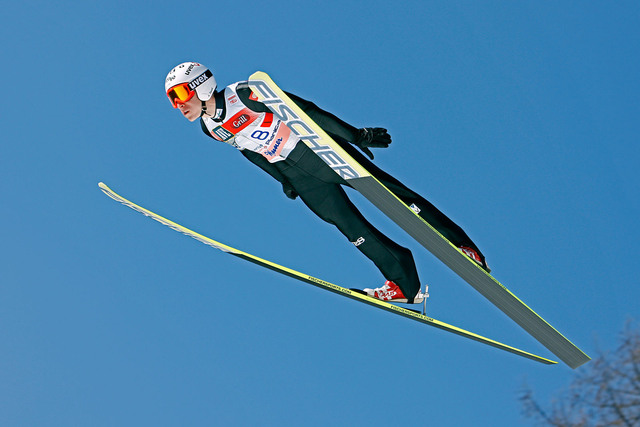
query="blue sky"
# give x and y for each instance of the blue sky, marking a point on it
(517, 119)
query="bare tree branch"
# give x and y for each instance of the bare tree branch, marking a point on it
(604, 393)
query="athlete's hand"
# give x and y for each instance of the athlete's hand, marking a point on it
(289, 191)
(372, 137)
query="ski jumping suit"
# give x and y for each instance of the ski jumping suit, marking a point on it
(247, 124)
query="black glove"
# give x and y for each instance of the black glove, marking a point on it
(372, 137)
(289, 191)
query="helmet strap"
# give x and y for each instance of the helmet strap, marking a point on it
(204, 108)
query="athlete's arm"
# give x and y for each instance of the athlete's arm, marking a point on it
(327, 121)
(362, 138)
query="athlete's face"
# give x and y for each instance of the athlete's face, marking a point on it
(191, 109)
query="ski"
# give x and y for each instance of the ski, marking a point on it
(353, 294)
(394, 208)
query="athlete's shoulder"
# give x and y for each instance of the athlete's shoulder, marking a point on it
(235, 87)
(246, 96)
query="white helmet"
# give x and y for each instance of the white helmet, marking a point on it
(197, 77)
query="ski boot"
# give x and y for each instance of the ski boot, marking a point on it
(391, 292)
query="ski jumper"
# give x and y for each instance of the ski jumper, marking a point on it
(247, 124)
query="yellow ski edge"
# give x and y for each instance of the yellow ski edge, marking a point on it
(319, 282)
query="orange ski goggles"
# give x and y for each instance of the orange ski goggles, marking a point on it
(180, 94)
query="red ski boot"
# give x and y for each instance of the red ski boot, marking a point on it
(474, 256)
(392, 293)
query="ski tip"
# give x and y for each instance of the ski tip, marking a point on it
(109, 192)
(105, 189)
(258, 75)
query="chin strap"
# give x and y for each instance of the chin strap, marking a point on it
(204, 109)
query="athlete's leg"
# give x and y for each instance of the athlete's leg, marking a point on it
(445, 226)
(329, 201)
